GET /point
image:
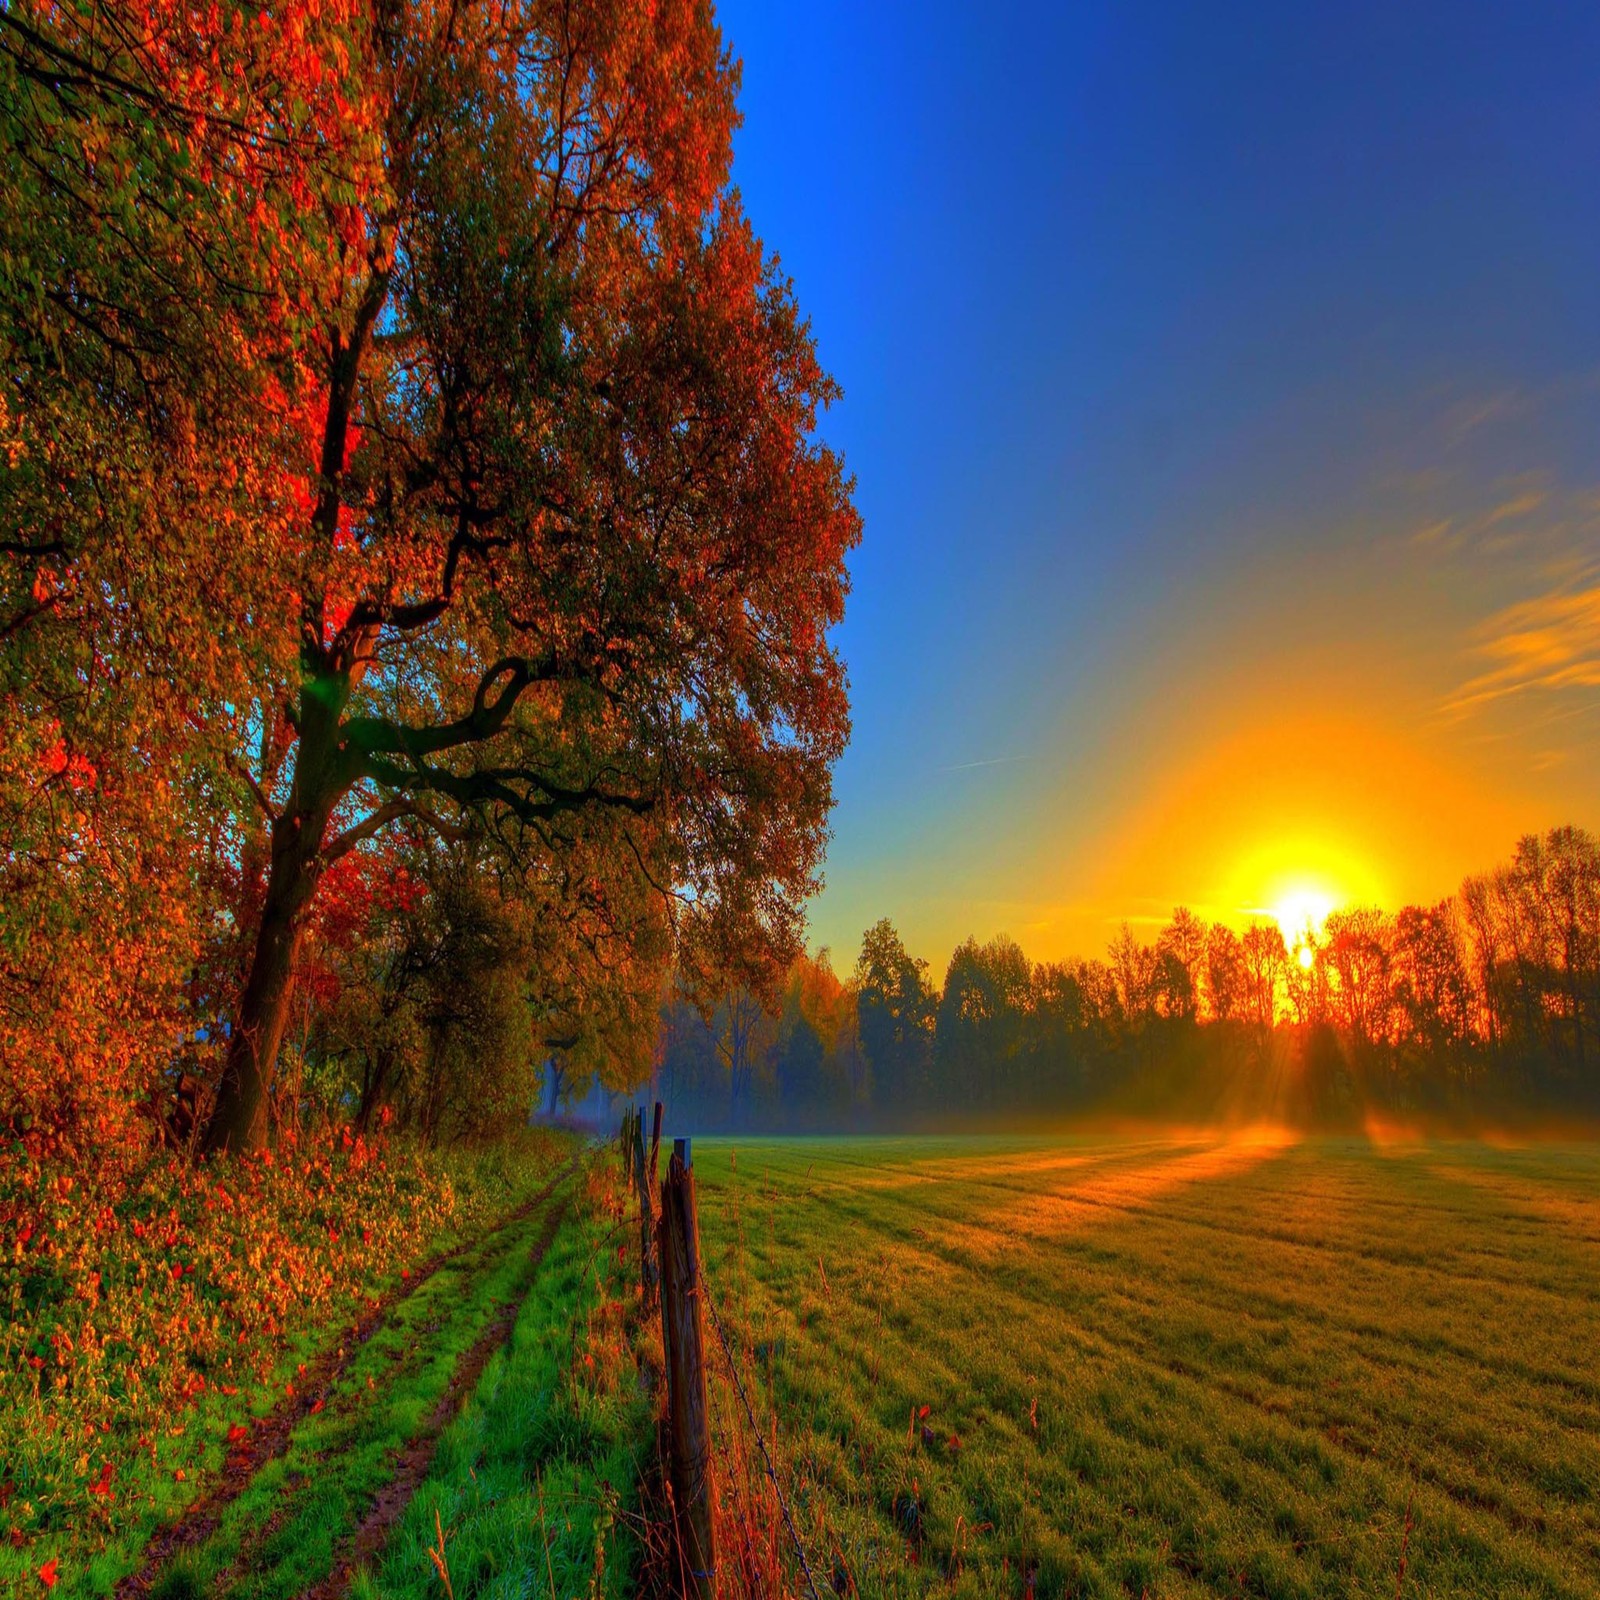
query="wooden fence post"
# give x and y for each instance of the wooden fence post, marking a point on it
(688, 1416)
(649, 1273)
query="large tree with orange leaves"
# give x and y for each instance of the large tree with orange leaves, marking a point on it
(463, 473)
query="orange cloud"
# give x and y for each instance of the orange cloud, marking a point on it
(1548, 643)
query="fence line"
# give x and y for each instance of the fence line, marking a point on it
(685, 1349)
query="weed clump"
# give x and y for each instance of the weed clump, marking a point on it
(181, 1581)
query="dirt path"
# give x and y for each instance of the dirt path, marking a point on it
(269, 1437)
(413, 1461)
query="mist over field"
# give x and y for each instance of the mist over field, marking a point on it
(1477, 1016)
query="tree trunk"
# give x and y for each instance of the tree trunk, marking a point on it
(322, 778)
(375, 1079)
(556, 1075)
(239, 1119)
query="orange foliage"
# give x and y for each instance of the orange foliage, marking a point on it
(140, 1296)
(423, 436)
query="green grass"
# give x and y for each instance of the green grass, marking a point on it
(281, 1534)
(1172, 1368)
(534, 1484)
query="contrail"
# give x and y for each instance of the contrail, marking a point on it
(996, 761)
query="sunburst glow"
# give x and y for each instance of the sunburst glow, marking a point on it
(1301, 909)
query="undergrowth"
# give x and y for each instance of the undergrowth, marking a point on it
(152, 1308)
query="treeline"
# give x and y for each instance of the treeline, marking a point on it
(1484, 1005)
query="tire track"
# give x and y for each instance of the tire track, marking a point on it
(366, 1543)
(270, 1437)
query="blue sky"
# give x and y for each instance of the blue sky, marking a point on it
(1221, 385)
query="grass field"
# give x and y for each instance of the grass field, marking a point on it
(1251, 1367)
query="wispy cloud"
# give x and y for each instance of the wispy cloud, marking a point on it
(1468, 415)
(1523, 515)
(1548, 643)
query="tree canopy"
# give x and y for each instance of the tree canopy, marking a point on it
(408, 447)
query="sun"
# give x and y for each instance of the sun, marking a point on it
(1300, 910)
(1306, 956)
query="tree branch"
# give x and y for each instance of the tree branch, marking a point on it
(379, 818)
(495, 788)
(410, 615)
(241, 770)
(378, 736)
(19, 547)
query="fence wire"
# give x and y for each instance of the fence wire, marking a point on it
(755, 1429)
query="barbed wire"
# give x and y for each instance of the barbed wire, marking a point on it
(755, 1428)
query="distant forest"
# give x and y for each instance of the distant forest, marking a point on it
(1484, 1006)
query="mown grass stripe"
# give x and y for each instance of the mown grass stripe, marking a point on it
(1189, 1362)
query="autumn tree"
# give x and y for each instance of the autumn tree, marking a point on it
(1306, 981)
(1554, 885)
(152, 304)
(816, 1057)
(1133, 969)
(1432, 989)
(529, 541)
(1225, 973)
(1265, 958)
(1067, 1029)
(982, 1022)
(1180, 964)
(745, 1032)
(1356, 955)
(1534, 931)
